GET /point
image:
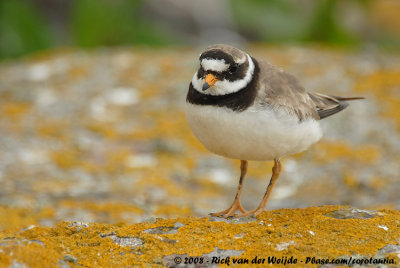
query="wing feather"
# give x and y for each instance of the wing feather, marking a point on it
(282, 90)
(328, 105)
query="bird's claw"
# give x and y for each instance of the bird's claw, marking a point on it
(230, 212)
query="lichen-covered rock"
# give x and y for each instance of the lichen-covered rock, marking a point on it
(352, 213)
(306, 236)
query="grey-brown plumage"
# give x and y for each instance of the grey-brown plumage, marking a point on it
(281, 90)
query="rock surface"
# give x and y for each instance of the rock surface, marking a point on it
(201, 242)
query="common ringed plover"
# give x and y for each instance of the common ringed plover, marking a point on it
(242, 108)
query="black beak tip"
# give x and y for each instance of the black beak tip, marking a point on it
(205, 86)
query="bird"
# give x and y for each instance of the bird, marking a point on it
(244, 108)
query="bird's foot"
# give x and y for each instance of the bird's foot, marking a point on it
(229, 212)
(253, 213)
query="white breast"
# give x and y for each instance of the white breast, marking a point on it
(251, 134)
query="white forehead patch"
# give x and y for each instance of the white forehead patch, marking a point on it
(214, 65)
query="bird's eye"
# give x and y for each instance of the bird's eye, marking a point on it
(201, 71)
(233, 68)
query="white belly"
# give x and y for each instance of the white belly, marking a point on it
(251, 134)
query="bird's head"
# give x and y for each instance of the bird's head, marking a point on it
(223, 70)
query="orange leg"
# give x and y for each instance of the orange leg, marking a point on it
(276, 170)
(236, 205)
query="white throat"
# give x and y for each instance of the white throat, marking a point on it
(223, 87)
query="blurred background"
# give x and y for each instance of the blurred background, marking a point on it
(31, 25)
(92, 96)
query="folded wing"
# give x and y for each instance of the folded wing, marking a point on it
(327, 105)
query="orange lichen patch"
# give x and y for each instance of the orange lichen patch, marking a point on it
(150, 91)
(392, 110)
(377, 183)
(380, 83)
(385, 85)
(284, 232)
(105, 130)
(152, 181)
(261, 170)
(171, 124)
(350, 181)
(66, 158)
(14, 219)
(108, 161)
(210, 189)
(29, 252)
(92, 168)
(176, 161)
(154, 123)
(116, 160)
(114, 210)
(173, 210)
(328, 152)
(50, 185)
(54, 129)
(14, 110)
(5, 260)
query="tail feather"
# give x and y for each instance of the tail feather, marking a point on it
(328, 105)
(347, 98)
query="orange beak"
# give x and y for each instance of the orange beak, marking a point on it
(209, 81)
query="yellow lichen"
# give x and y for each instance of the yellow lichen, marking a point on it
(327, 152)
(15, 219)
(66, 159)
(385, 85)
(113, 210)
(173, 210)
(14, 109)
(306, 232)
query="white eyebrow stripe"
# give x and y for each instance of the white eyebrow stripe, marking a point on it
(214, 65)
(242, 60)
